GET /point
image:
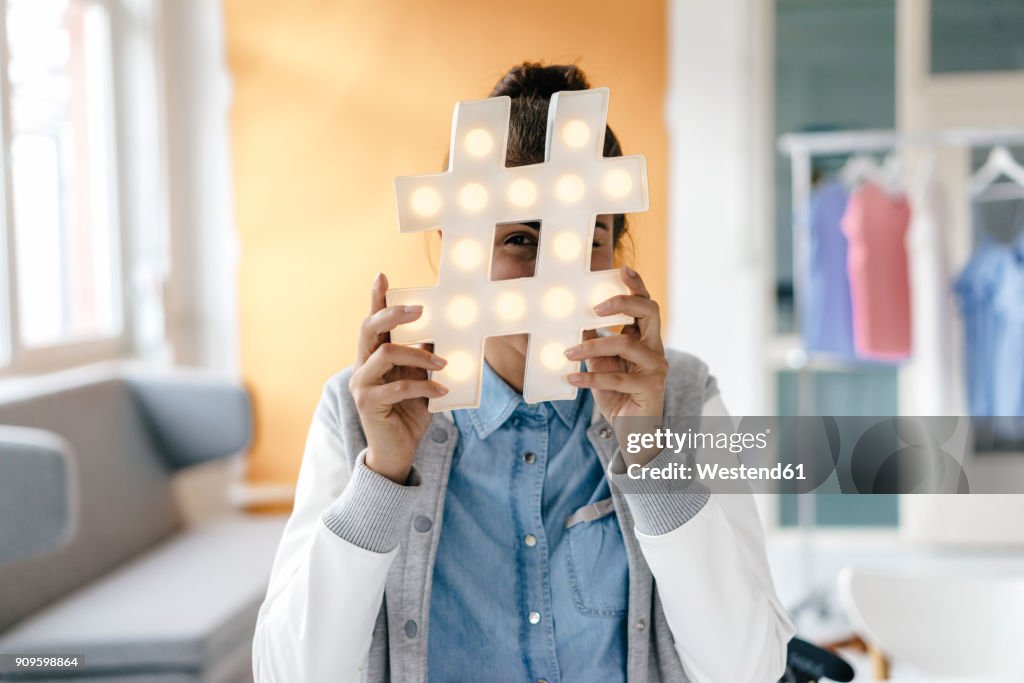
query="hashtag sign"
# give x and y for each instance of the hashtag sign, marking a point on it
(565, 193)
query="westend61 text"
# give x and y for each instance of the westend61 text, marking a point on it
(711, 472)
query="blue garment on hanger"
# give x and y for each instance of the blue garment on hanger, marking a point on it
(827, 319)
(976, 289)
(1008, 309)
(990, 292)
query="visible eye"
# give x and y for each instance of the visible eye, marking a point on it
(521, 239)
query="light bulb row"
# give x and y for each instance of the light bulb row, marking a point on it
(478, 142)
(473, 197)
(461, 365)
(557, 302)
(467, 254)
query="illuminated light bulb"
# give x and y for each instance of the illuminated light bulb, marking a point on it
(426, 202)
(603, 292)
(522, 192)
(566, 246)
(511, 306)
(617, 183)
(552, 356)
(576, 133)
(558, 302)
(479, 142)
(461, 311)
(569, 188)
(473, 197)
(467, 254)
(460, 366)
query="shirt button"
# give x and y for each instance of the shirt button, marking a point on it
(534, 617)
(641, 625)
(529, 458)
(422, 523)
(411, 629)
(439, 436)
(606, 433)
(530, 540)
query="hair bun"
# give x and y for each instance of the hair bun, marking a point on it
(533, 79)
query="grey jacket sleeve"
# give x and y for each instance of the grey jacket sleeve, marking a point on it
(372, 511)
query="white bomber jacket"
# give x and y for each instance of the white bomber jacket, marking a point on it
(350, 588)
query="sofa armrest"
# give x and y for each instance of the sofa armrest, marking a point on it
(193, 418)
(38, 495)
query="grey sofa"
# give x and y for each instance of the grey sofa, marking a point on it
(131, 590)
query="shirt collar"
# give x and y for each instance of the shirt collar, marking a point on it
(498, 401)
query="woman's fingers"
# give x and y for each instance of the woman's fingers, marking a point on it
(398, 391)
(388, 356)
(378, 293)
(645, 311)
(387, 319)
(637, 304)
(632, 279)
(623, 346)
(381, 320)
(622, 382)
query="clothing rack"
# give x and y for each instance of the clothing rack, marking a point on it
(802, 148)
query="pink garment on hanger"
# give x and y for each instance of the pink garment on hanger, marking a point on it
(876, 226)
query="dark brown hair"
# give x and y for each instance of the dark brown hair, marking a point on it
(531, 85)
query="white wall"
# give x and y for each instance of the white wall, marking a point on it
(201, 294)
(720, 249)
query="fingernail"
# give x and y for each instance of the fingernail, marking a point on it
(603, 307)
(438, 362)
(376, 279)
(630, 272)
(574, 377)
(572, 351)
(441, 389)
(413, 309)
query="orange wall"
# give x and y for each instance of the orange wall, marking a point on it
(334, 99)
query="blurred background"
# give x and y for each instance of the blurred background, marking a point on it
(197, 195)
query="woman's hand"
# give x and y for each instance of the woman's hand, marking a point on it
(390, 387)
(625, 371)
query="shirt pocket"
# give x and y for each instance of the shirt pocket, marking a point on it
(598, 567)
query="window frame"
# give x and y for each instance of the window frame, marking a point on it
(15, 357)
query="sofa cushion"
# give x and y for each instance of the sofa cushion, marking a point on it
(37, 492)
(125, 501)
(182, 607)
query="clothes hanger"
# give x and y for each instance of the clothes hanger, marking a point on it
(857, 168)
(890, 174)
(1000, 163)
(999, 192)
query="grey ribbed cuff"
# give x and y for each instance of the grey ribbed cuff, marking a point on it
(658, 506)
(372, 511)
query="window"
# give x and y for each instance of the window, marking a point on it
(976, 36)
(63, 241)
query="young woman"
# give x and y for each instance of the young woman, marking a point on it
(493, 544)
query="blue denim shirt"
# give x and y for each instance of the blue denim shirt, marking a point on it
(516, 595)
